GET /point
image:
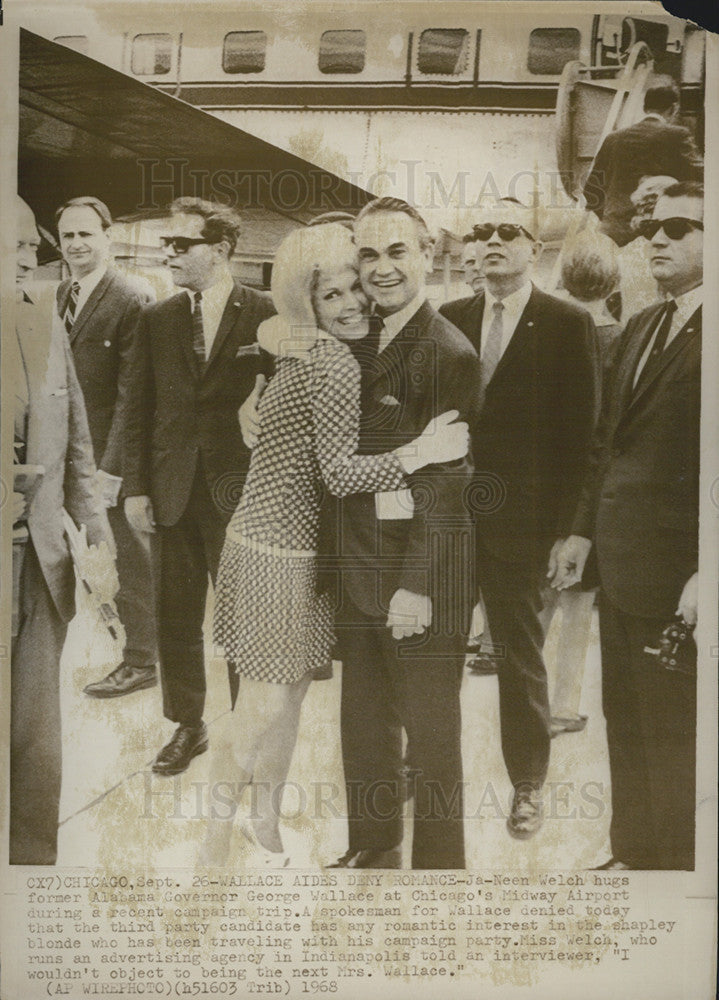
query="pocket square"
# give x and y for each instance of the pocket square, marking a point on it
(247, 349)
(389, 401)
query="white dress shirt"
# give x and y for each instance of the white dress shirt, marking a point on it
(397, 321)
(214, 300)
(514, 305)
(687, 304)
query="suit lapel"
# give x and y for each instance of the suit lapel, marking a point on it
(682, 338)
(230, 315)
(89, 307)
(628, 364)
(392, 357)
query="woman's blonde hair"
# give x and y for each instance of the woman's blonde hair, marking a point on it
(300, 260)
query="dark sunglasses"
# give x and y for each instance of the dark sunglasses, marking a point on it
(181, 244)
(675, 228)
(507, 231)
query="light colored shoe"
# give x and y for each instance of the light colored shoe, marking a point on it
(261, 857)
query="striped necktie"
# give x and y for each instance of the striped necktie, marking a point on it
(198, 333)
(69, 318)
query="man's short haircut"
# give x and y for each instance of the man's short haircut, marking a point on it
(684, 189)
(221, 223)
(590, 267)
(99, 207)
(388, 204)
(661, 97)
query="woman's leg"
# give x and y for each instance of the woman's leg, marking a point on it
(274, 758)
(256, 744)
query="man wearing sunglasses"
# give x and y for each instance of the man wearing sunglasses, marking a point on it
(538, 383)
(185, 460)
(639, 510)
(654, 146)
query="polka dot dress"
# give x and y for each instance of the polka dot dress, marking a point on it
(269, 616)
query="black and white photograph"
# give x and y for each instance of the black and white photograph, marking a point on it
(359, 497)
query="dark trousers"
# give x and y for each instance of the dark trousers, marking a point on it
(651, 733)
(387, 685)
(35, 735)
(189, 552)
(512, 601)
(136, 597)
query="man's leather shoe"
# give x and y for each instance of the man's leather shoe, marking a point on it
(186, 743)
(613, 865)
(372, 857)
(123, 680)
(527, 813)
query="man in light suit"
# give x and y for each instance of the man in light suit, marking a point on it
(101, 313)
(539, 397)
(50, 431)
(654, 146)
(185, 460)
(405, 586)
(639, 511)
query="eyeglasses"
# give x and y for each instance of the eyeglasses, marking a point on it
(507, 231)
(675, 228)
(181, 244)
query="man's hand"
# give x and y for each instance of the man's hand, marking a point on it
(248, 416)
(689, 601)
(553, 564)
(109, 488)
(570, 560)
(442, 440)
(409, 614)
(139, 513)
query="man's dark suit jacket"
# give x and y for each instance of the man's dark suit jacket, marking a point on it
(640, 503)
(428, 368)
(178, 417)
(533, 434)
(648, 149)
(106, 346)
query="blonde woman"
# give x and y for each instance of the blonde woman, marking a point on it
(271, 617)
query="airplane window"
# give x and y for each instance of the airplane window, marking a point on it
(443, 50)
(151, 54)
(342, 51)
(244, 52)
(550, 49)
(76, 42)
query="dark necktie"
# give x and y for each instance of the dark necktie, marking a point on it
(660, 340)
(69, 318)
(198, 333)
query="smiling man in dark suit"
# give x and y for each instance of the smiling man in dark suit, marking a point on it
(101, 313)
(538, 386)
(405, 579)
(185, 459)
(640, 510)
